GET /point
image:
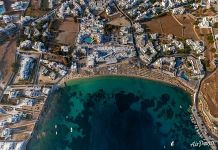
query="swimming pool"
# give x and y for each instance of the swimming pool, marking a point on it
(88, 40)
(2, 9)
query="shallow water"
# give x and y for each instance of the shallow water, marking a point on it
(116, 113)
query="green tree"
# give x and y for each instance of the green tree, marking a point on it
(206, 62)
(15, 67)
(210, 38)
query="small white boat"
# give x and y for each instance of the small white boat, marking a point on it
(56, 133)
(172, 143)
(71, 129)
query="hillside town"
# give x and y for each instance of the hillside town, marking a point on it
(59, 40)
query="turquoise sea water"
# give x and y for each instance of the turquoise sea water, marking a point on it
(116, 113)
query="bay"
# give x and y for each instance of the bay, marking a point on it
(116, 113)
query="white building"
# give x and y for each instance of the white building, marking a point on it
(25, 19)
(11, 29)
(29, 101)
(65, 48)
(6, 133)
(11, 145)
(20, 5)
(62, 72)
(26, 44)
(39, 46)
(178, 11)
(90, 61)
(46, 90)
(197, 46)
(7, 18)
(33, 93)
(14, 118)
(3, 123)
(26, 66)
(205, 23)
(13, 94)
(51, 3)
(74, 66)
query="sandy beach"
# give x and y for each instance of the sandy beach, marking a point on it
(125, 70)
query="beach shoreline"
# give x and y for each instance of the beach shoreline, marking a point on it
(143, 73)
(183, 87)
(72, 76)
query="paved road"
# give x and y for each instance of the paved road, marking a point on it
(9, 81)
(132, 29)
(200, 123)
(37, 70)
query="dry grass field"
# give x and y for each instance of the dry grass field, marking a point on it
(120, 21)
(7, 58)
(68, 31)
(180, 26)
(187, 22)
(210, 93)
(165, 25)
